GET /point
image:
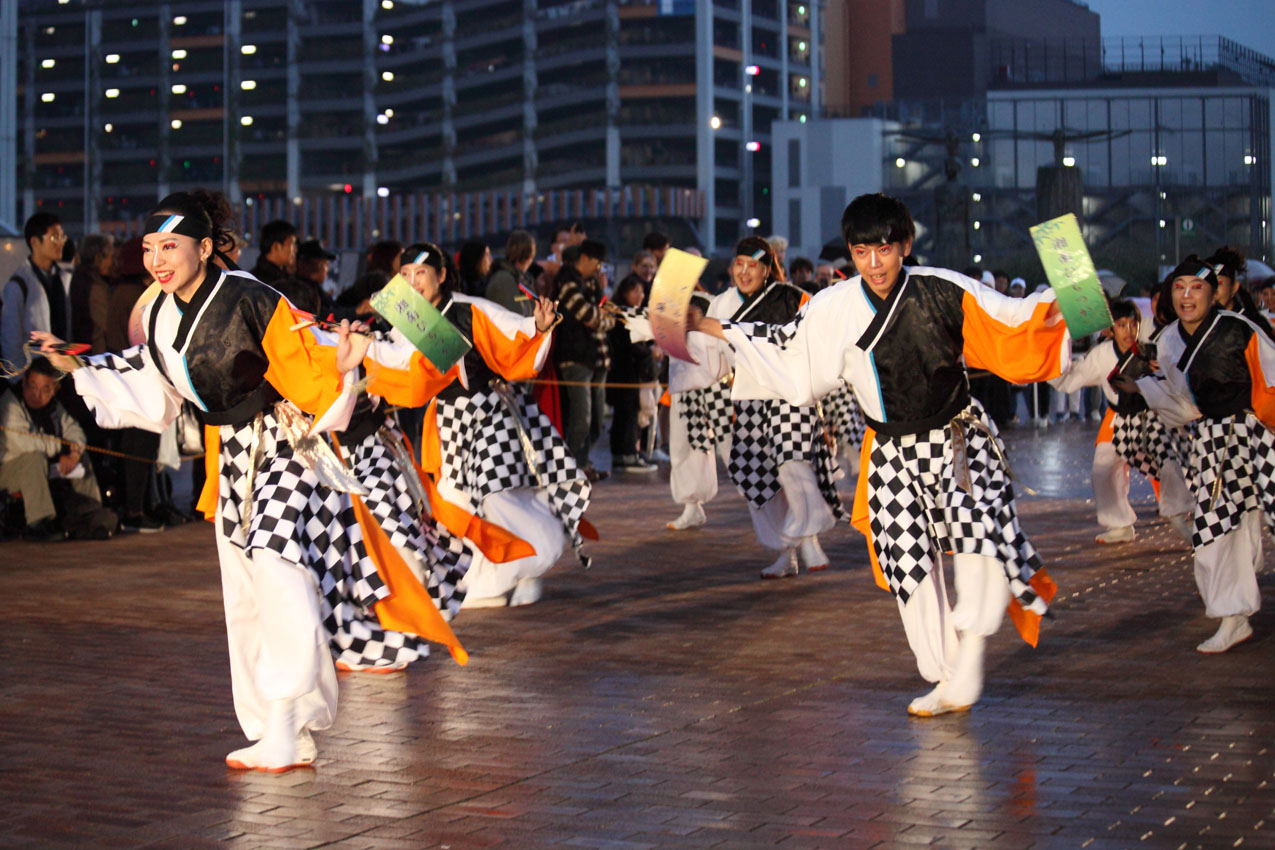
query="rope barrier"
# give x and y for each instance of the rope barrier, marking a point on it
(88, 448)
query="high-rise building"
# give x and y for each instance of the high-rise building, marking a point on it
(120, 102)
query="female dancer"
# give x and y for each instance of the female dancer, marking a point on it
(224, 341)
(1130, 436)
(486, 448)
(1217, 369)
(779, 457)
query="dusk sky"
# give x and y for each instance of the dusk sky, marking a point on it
(1250, 22)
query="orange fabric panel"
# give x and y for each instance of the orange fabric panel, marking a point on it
(207, 504)
(805, 297)
(303, 371)
(1104, 430)
(513, 360)
(1263, 396)
(1020, 354)
(859, 513)
(666, 399)
(410, 387)
(409, 607)
(1028, 622)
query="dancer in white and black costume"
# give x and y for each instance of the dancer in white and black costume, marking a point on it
(845, 423)
(224, 342)
(1216, 375)
(375, 451)
(1130, 434)
(700, 416)
(779, 455)
(472, 447)
(932, 477)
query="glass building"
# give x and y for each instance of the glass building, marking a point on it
(120, 102)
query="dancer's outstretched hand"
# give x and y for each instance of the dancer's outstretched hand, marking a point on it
(352, 345)
(546, 314)
(47, 344)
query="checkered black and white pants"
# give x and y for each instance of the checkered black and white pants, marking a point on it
(844, 418)
(310, 525)
(1238, 452)
(1144, 442)
(768, 433)
(917, 509)
(707, 412)
(482, 454)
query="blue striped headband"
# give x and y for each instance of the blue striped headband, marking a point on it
(185, 225)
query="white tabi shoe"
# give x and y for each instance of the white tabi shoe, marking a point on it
(784, 567)
(526, 592)
(1234, 629)
(692, 516)
(277, 751)
(1182, 525)
(934, 703)
(811, 554)
(307, 752)
(348, 667)
(1116, 535)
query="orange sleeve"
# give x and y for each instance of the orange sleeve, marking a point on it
(410, 387)
(1021, 354)
(301, 368)
(512, 359)
(1263, 395)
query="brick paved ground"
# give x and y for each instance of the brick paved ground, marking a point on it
(666, 698)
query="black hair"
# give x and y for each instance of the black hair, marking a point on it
(42, 366)
(471, 257)
(519, 247)
(624, 286)
(93, 246)
(211, 207)
(1193, 266)
(654, 241)
(594, 248)
(877, 219)
(38, 225)
(365, 286)
(1123, 309)
(1000, 273)
(750, 245)
(1229, 262)
(381, 256)
(975, 272)
(801, 263)
(274, 232)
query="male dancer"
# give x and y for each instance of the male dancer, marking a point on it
(933, 478)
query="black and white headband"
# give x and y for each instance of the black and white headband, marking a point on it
(181, 224)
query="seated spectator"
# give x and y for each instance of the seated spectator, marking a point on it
(59, 493)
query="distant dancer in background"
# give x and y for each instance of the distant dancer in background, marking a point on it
(475, 265)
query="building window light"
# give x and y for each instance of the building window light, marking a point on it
(753, 222)
(248, 49)
(389, 113)
(48, 63)
(179, 21)
(387, 39)
(715, 122)
(801, 46)
(1249, 159)
(48, 97)
(802, 118)
(179, 88)
(388, 76)
(382, 119)
(977, 197)
(248, 85)
(899, 162)
(752, 70)
(1159, 160)
(246, 120)
(1163, 222)
(110, 128)
(753, 146)
(978, 137)
(801, 82)
(382, 192)
(978, 258)
(975, 161)
(387, 4)
(179, 54)
(176, 123)
(112, 58)
(978, 225)
(112, 93)
(1069, 161)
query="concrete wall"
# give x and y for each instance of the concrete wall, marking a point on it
(835, 161)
